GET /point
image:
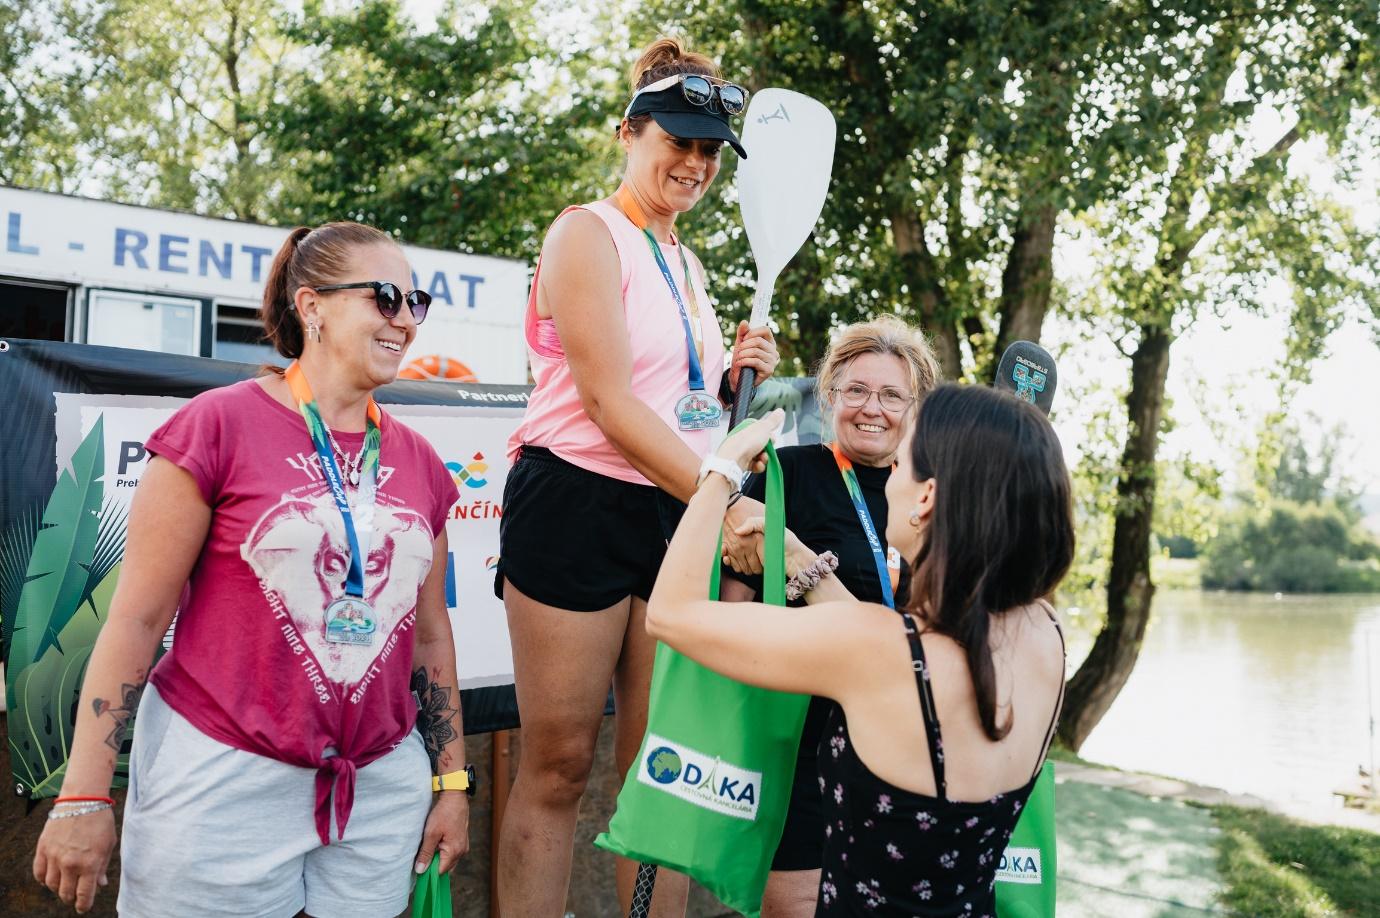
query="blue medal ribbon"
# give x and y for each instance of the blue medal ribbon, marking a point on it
(316, 427)
(634, 213)
(850, 483)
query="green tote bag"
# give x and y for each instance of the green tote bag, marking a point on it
(1026, 873)
(707, 795)
(431, 892)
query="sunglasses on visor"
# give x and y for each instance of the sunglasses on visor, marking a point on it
(388, 298)
(699, 90)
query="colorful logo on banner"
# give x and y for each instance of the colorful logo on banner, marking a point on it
(700, 779)
(472, 474)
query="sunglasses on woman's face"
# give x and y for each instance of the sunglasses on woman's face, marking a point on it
(388, 298)
(700, 90)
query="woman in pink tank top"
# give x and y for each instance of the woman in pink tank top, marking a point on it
(627, 357)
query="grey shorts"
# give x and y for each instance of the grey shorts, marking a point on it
(210, 830)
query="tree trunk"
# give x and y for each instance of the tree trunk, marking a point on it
(1026, 282)
(922, 278)
(1095, 686)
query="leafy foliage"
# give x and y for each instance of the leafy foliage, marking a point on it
(59, 578)
(1292, 548)
(438, 136)
(44, 697)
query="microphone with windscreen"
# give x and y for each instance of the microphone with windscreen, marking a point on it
(1027, 371)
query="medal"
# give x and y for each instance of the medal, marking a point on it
(698, 411)
(350, 621)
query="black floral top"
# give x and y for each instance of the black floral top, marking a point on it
(890, 851)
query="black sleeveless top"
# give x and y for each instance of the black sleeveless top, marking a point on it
(890, 851)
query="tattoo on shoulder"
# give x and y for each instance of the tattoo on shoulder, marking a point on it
(121, 712)
(435, 715)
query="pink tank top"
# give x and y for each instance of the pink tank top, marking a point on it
(555, 417)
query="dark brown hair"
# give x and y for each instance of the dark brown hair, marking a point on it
(1001, 535)
(664, 57)
(308, 258)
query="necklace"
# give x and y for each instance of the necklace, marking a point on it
(352, 469)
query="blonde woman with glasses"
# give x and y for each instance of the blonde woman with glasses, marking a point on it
(869, 382)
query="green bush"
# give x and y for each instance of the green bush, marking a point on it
(1288, 547)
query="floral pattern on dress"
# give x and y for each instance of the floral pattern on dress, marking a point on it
(895, 852)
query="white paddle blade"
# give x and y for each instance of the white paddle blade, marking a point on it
(789, 138)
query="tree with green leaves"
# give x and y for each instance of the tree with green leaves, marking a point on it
(1215, 212)
(169, 112)
(42, 109)
(968, 131)
(445, 137)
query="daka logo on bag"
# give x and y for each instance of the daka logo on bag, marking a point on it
(700, 779)
(1020, 865)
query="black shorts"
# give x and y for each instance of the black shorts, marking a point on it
(577, 540)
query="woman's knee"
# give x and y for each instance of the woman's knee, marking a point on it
(558, 769)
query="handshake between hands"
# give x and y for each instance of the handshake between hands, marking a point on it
(745, 520)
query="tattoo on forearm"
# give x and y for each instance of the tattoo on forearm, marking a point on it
(435, 716)
(121, 715)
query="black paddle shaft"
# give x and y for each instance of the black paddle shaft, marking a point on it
(742, 399)
(643, 887)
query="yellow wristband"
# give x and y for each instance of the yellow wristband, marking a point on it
(461, 780)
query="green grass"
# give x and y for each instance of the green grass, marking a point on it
(1273, 866)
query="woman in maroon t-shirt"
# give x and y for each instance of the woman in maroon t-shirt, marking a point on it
(309, 529)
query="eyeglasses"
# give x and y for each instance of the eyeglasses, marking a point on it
(388, 298)
(855, 395)
(699, 90)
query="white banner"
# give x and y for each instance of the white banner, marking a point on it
(471, 442)
(477, 301)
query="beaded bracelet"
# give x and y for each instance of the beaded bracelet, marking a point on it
(807, 578)
(82, 810)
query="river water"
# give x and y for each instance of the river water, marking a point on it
(1249, 692)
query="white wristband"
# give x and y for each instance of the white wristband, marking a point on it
(725, 467)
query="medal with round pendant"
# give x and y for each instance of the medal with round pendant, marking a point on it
(349, 620)
(698, 411)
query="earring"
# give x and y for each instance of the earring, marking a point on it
(915, 520)
(314, 331)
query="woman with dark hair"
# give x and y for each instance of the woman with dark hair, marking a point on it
(627, 357)
(281, 759)
(869, 382)
(915, 818)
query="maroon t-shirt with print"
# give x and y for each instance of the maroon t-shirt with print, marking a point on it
(250, 665)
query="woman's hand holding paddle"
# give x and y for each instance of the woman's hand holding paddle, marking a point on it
(754, 349)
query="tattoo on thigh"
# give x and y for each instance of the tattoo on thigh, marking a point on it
(435, 716)
(121, 715)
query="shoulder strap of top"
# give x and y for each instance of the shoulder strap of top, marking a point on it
(1059, 703)
(927, 709)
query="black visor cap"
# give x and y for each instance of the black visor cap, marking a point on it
(678, 117)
